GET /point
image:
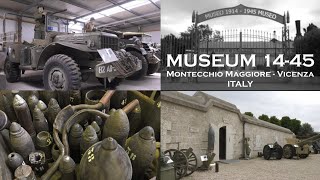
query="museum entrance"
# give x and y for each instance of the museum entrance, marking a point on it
(222, 142)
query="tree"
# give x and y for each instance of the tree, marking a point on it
(249, 114)
(306, 130)
(295, 126)
(264, 118)
(274, 120)
(205, 31)
(285, 122)
(217, 37)
(310, 44)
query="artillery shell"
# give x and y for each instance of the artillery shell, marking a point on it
(75, 97)
(89, 137)
(52, 110)
(135, 120)
(34, 93)
(44, 143)
(151, 117)
(40, 123)
(99, 121)
(4, 122)
(38, 162)
(67, 167)
(141, 148)
(14, 161)
(21, 141)
(23, 94)
(45, 96)
(5, 133)
(42, 106)
(8, 109)
(32, 101)
(56, 176)
(97, 129)
(23, 114)
(74, 141)
(24, 172)
(63, 97)
(117, 126)
(93, 96)
(211, 138)
(118, 100)
(107, 153)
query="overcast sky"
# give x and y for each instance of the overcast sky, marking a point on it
(303, 105)
(176, 14)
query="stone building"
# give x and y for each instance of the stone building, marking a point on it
(185, 122)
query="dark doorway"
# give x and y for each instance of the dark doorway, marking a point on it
(222, 142)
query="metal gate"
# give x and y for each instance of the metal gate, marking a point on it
(228, 42)
(246, 42)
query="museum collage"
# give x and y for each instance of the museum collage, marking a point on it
(159, 90)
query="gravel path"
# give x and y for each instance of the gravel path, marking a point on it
(260, 169)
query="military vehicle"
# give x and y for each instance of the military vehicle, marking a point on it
(138, 42)
(272, 151)
(316, 146)
(67, 56)
(298, 148)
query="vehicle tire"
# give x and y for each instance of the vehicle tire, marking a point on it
(315, 151)
(279, 151)
(113, 84)
(288, 151)
(61, 72)
(143, 71)
(153, 68)
(266, 152)
(12, 71)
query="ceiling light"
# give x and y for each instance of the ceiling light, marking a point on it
(111, 11)
(87, 18)
(135, 4)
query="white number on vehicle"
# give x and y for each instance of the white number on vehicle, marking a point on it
(101, 69)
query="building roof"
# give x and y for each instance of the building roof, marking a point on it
(258, 122)
(113, 14)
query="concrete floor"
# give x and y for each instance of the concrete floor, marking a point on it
(32, 80)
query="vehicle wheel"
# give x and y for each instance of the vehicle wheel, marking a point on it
(12, 71)
(266, 152)
(143, 71)
(180, 162)
(279, 151)
(316, 151)
(192, 162)
(113, 84)
(288, 151)
(153, 68)
(61, 73)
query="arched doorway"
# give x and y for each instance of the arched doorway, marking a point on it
(222, 142)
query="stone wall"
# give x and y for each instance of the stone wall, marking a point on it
(185, 121)
(262, 133)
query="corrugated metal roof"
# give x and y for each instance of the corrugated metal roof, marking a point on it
(129, 13)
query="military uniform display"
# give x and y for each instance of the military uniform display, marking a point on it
(39, 29)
